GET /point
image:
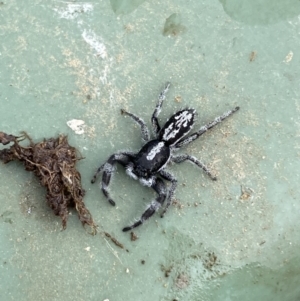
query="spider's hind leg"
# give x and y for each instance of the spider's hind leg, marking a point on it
(160, 188)
(169, 177)
(108, 168)
(192, 159)
(161, 98)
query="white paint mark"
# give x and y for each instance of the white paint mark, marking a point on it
(73, 10)
(95, 42)
(289, 57)
(76, 125)
(103, 78)
(155, 150)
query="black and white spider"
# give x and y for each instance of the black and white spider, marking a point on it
(149, 164)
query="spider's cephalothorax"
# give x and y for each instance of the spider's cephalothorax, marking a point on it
(149, 164)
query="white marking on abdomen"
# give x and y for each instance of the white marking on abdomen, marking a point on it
(183, 118)
(155, 150)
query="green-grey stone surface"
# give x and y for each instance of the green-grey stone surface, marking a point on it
(233, 239)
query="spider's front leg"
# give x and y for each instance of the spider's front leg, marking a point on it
(141, 122)
(124, 159)
(205, 128)
(159, 186)
(161, 98)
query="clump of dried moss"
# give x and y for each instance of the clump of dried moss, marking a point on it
(53, 162)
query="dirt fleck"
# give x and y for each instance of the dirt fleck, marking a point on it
(133, 236)
(173, 25)
(178, 98)
(211, 261)
(182, 281)
(246, 193)
(177, 204)
(166, 270)
(252, 56)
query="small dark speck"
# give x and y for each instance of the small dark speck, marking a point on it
(88, 97)
(143, 261)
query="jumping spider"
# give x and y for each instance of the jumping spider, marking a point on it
(149, 164)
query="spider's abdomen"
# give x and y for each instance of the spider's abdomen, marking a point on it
(151, 158)
(177, 126)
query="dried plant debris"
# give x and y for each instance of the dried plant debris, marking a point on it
(53, 162)
(115, 241)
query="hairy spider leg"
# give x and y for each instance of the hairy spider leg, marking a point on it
(169, 177)
(141, 122)
(95, 176)
(204, 129)
(161, 98)
(184, 157)
(108, 168)
(160, 187)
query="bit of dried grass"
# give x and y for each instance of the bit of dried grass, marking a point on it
(53, 162)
